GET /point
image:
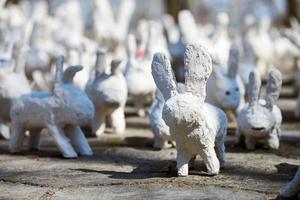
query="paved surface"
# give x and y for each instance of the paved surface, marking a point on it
(128, 168)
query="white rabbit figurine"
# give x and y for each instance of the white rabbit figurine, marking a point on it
(141, 86)
(13, 82)
(261, 118)
(226, 90)
(196, 127)
(109, 94)
(61, 111)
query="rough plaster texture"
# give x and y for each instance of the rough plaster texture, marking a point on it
(109, 94)
(195, 126)
(260, 119)
(61, 111)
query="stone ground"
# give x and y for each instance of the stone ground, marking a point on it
(128, 168)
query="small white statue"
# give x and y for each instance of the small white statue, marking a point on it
(292, 188)
(196, 127)
(13, 82)
(62, 112)
(226, 90)
(141, 86)
(261, 118)
(109, 94)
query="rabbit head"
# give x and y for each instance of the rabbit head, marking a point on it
(76, 108)
(259, 118)
(228, 90)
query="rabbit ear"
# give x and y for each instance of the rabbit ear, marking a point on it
(21, 60)
(233, 61)
(131, 46)
(273, 88)
(59, 69)
(70, 72)
(7, 51)
(163, 75)
(100, 62)
(116, 66)
(198, 67)
(253, 88)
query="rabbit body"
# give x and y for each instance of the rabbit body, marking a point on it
(109, 94)
(62, 112)
(196, 127)
(260, 119)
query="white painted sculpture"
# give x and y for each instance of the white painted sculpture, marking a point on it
(292, 188)
(226, 90)
(196, 127)
(109, 94)
(141, 86)
(61, 111)
(261, 118)
(13, 82)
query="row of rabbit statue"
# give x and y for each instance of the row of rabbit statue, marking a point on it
(90, 86)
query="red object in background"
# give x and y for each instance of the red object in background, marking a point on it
(140, 52)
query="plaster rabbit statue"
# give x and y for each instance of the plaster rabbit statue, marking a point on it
(196, 127)
(13, 82)
(226, 90)
(292, 188)
(108, 92)
(260, 119)
(141, 86)
(61, 111)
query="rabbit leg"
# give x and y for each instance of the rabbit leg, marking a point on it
(183, 159)
(138, 102)
(62, 141)
(273, 141)
(34, 139)
(250, 142)
(16, 137)
(78, 140)
(210, 159)
(220, 149)
(118, 122)
(4, 131)
(292, 188)
(159, 141)
(98, 124)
